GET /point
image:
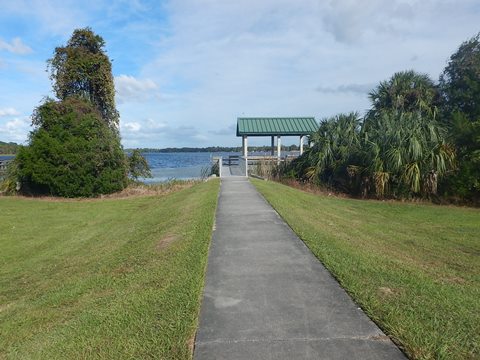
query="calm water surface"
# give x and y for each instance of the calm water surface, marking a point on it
(182, 166)
(168, 166)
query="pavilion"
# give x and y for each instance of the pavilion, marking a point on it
(275, 127)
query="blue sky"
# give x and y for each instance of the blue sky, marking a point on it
(185, 70)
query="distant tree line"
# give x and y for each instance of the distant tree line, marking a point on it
(74, 149)
(8, 148)
(420, 138)
(211, 149)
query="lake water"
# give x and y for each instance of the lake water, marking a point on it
(168, 166)
(181, 166)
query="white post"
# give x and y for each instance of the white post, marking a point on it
(245, 153)
(301, 145)
(279, 149)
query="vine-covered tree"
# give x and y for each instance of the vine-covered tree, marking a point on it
(82, 68)
(74, 149)
(72, 152)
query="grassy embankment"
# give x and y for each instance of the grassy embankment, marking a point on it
(415, 269)
(112, 278)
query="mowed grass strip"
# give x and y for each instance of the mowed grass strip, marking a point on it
(105, 279)
(415, 269)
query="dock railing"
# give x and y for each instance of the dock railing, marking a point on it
(268, 167)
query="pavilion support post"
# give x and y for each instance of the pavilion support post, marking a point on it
(279, 148)
(273, 145)
(245, 153)
(301, 144)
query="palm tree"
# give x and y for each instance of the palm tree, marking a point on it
(398, 149)
(405, 91)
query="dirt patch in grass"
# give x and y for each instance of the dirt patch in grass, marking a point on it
(191, 343)
(123, 270)
(165, 241)
(456, 280)
(4, 307)
(149, 190)
(311, 188)
(386, 292)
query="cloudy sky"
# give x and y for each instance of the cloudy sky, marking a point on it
(185, 70)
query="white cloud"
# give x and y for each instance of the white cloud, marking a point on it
(130, 88)
(57, 17)
(15, 130)
(221, 60)
(16, 46)
(349, 20)
(132, 126)
(216, 60)
(359, 89)
(229, 130)
(8, 112)
(143, 133)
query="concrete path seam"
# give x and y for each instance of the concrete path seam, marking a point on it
(362, 338)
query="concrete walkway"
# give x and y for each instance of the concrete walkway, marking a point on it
(268, 297)
(232, 170)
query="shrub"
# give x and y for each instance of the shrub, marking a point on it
(72, 152)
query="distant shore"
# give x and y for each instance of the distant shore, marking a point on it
(210, 149)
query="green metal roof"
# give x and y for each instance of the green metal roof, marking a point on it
(283, 126)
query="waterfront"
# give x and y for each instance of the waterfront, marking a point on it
(181, 166)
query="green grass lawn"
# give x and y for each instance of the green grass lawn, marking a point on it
(415, 269)
(111, 278)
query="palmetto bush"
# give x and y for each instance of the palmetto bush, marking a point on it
(336, 144)
(394, 153)
(404, 153)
